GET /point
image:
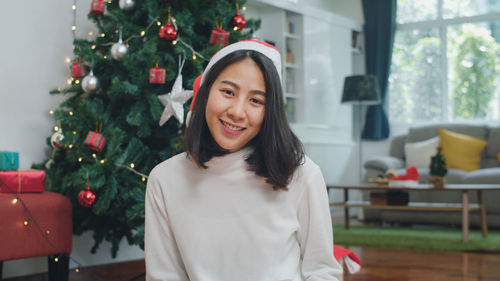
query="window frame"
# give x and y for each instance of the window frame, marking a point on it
(442, 24)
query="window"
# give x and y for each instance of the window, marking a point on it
(445, 61)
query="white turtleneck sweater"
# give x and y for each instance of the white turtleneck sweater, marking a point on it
(225, 223)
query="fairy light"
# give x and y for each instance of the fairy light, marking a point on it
(70, 146)
(102, 161)
(68, 81)
(174, 42)
(91, 33)
(25, 223)
(143, 178)
(92, 47)
(94, 156)
(77, 81)
(47, 232)
(194, 57)
(73, 7)
(143, 33)
(132, 165)
(67, 60)
(70, 113)
(158, 23)
(56, 259)
(103, 35)
(56, 128)
(77, 270)
(243, 8)
(14, 201)
(74, 132)
(51, 112)
(235, 28)
(80, 159)
(73, 27)
(105, 57)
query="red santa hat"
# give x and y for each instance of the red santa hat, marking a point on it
(350, 259)
(266, 49)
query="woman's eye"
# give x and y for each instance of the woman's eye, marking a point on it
(257, 101)
(227, 92)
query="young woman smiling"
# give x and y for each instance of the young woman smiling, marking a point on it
(243, 202)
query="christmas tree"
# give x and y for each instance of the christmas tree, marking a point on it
(116, 123)
(438, 164)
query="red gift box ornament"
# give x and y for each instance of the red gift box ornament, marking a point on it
(157, 75)
(218, 36)
(86, 198)
(79, 69)
(95, 140)
(97, 7)
(239, 22)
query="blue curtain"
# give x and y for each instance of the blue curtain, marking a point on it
(380, 25)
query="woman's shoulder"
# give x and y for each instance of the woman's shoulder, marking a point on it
(171, 165)
(307, 166)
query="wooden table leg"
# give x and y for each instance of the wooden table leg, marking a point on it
(484, 222)
(346, 209)
(465, 215)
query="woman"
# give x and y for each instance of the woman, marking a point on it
(243, 202)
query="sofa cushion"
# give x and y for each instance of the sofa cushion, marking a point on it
(461, 151)
(419, 154)
(493, 142)
(426, 132)
(483, 176)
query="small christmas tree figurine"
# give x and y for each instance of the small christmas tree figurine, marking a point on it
(438, 169)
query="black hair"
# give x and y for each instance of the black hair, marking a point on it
(277, 150)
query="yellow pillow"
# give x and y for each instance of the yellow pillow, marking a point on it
(461, 151)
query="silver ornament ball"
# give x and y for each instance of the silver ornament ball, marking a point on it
(126, 4)
(90, 83)
(56, 139)
(118, 50)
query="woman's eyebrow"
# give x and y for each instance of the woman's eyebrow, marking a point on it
(238, 87)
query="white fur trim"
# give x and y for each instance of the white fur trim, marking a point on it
(271, 52)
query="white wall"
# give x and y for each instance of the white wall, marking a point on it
(36, 40)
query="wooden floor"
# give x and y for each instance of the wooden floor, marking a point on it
(378, 264)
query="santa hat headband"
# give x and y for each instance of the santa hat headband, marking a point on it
(266, 49)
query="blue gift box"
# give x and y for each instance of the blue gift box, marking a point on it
(9, 160)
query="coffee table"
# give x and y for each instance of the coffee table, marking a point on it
(465, 207)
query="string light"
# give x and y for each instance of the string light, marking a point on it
(73, 7)
(102, 161)
(91, 33)
(132, 165)
(77, 81)
(103, 35)
(56, 259)
(93, 155)
(194, 57)
(92, 47)
(77, 269)
(14, 201)
(70, 113)
(47, 232)
(174, 42)
(51, 112)
(158, 23)
(73, 27)
(67, 60)
(80, 159)
(105, 57)
(70, 146)
(143, 33)
(68, 82)
(25, 222)
(56, 128)
(243, 8)
(143, 178)
(74, 132)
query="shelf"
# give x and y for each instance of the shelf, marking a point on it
(292, 65)
(413, 206)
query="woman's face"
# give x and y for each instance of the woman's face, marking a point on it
(235, 106)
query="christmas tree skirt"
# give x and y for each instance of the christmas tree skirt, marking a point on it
(416, 238)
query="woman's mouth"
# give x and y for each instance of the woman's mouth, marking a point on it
(231, 128)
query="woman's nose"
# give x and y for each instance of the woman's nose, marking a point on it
(237, 109)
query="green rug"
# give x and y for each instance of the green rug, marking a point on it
(404, 237)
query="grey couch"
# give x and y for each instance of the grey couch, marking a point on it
(489, 173)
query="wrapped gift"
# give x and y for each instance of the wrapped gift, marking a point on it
(9, 160)
(22, 181)
(219, 36)
(95, 141)
(79, 69)
(97, 7)
(157, 75)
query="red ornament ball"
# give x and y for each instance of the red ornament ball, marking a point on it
(239, 22)
(86, 198)
(168, 32)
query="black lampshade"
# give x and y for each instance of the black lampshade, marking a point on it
(361, 89)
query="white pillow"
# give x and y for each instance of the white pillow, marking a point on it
(419, 154)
